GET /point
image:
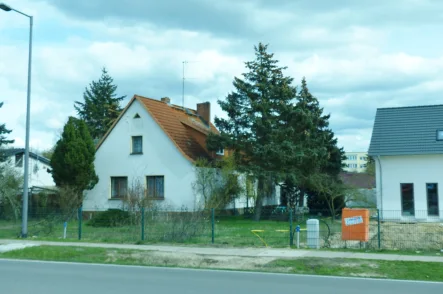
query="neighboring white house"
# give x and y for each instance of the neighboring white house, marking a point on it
(407, 145)
(155, 143)
(39, 167)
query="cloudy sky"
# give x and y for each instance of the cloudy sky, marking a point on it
(356, 55)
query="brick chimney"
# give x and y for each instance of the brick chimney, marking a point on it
(166, 100)
(204, 110)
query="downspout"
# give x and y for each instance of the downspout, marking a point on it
(381, 186)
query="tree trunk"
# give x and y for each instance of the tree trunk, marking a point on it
(301, 197)
(259, 198)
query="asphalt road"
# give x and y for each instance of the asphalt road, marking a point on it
(72, 278)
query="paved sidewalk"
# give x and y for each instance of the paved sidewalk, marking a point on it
(245, 252)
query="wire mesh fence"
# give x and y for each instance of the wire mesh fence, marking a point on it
(417, 231)
(275, 227)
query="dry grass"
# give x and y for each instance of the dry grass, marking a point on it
(412, 236)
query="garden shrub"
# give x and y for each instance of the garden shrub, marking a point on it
(110, 218)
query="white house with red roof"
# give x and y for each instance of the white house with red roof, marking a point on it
(156, 144)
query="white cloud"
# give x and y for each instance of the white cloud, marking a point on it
(352, 67)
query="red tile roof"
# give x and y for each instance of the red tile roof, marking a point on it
(183, 126)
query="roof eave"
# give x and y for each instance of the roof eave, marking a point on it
(102, 140)
(159, 124)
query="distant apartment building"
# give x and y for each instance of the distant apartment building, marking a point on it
(356, 161)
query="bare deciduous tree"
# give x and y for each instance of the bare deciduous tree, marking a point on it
(331, 190)
(205, 182)
(10, 183)
(136, 199)
(217, 186)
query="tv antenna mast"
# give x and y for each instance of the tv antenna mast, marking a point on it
(183, 86)
(183, 82)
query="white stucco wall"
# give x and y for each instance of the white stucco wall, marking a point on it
(416, 169)
(38, 172)
(160, 157)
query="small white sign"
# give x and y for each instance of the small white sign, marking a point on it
(355, 220)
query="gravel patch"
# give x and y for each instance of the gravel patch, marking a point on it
(11, 247)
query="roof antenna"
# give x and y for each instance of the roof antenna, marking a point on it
(183, 86)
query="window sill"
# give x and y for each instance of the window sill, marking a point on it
(116, 198)
(156, 198)
(136, 153)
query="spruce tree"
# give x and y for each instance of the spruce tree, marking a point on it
(328, 161)
(251, 128)
(73, 159)
(101, 105)
(3, 140)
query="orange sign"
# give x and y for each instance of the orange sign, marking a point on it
(355, 224)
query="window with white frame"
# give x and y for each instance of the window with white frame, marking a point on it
(220, 151)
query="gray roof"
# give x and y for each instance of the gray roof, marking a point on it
(14, 151)
(407, 131)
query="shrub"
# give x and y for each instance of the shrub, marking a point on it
(184, 225)
(110, 218)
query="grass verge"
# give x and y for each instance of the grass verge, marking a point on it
(405, 270)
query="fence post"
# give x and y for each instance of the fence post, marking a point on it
(378, 225)
(143, 223)
(291, 234)
(212, 225)
(80, 217)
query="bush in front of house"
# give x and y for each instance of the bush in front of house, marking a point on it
(110, 218)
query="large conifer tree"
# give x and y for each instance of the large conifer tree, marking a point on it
(73, 158)
(101, 105)
(254, 129)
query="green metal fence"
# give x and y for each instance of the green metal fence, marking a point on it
(277, 227)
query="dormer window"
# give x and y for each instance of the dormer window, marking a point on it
(439, 135)
(220, 151)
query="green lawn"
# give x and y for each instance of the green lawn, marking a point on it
(228, 231)
(405, 270)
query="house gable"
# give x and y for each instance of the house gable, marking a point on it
(117, 165)
(39, 167)
(407, 131)
(11, 153)
(183, 126)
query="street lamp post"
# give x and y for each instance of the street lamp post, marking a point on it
(24, 233)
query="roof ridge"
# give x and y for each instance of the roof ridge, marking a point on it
(411, 106)
(159, 101)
